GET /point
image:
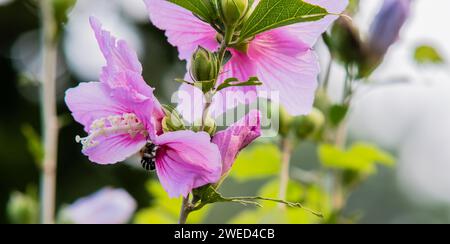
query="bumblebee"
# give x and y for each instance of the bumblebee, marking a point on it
(148, 154)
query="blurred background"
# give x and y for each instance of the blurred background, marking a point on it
(404, 108)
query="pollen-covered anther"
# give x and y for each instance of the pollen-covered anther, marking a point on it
(113, 125)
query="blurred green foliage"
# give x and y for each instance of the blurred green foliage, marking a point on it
(258, 162)
(426, 54)
(164, 210)
(35, 147)
(23, 208)
(360, 157)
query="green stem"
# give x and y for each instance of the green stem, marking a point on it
(185, 210)
(286, 148)
(49, 113)
(229, 34)
(326, 80)
(187, 206)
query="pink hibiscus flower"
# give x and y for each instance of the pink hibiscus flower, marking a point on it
(238, 136)
(283, 59)
(121, 115)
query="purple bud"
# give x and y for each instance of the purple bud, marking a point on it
(107, 206)
(387, 24)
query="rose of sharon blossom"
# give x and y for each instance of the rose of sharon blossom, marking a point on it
(107, 206)
(282, 59)
(386, 27)
(238, 136)
(121, 114)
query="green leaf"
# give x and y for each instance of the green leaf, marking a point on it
(294, 192)
(337, 114)
(62, 9)
(208, 195)
(271, 14)
(361, 157)
(34, 145)
(427, 55)
(204, 86)
(202, 8)
(257, 162)
(233, 82)
(165, 210)
(312, 196)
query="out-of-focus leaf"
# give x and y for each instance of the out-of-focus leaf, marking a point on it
(360, 157)
(294, 191)
(34, 144)
(261, 216)
(312, 197)
(427, 55)
(154, 215)
(164, 209)
(62, 9)
(337, 114)
(353, 7)
(256, 162)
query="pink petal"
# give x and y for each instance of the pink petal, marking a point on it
(116, 148)
(123, 75)
(288, 66)
(122, 62)
(237, 137)
(95, 100)
(240, 66)
(148, 109)
(186, 160)
(91, 101)
(183, 29)
(309, 32)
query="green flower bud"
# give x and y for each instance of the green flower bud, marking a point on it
(22, 209)
(172, 121)
(322, 101)
(210, 126)
(285, 122)
(233, 11)
(308, 126)
(205, 65)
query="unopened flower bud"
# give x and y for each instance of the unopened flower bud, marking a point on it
(209, 127)
(285, 122)
(387, 25)
(22, 209)
(233, 11)
(205, 65)
(309, 125)
(172, 121)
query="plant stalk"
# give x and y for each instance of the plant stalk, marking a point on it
(49, 112)
(286, 149)
(185, 210)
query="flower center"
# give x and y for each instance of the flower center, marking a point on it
(113, 125)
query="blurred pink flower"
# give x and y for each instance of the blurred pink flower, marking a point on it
(121, 114)
(282, 59)
(107, 206)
